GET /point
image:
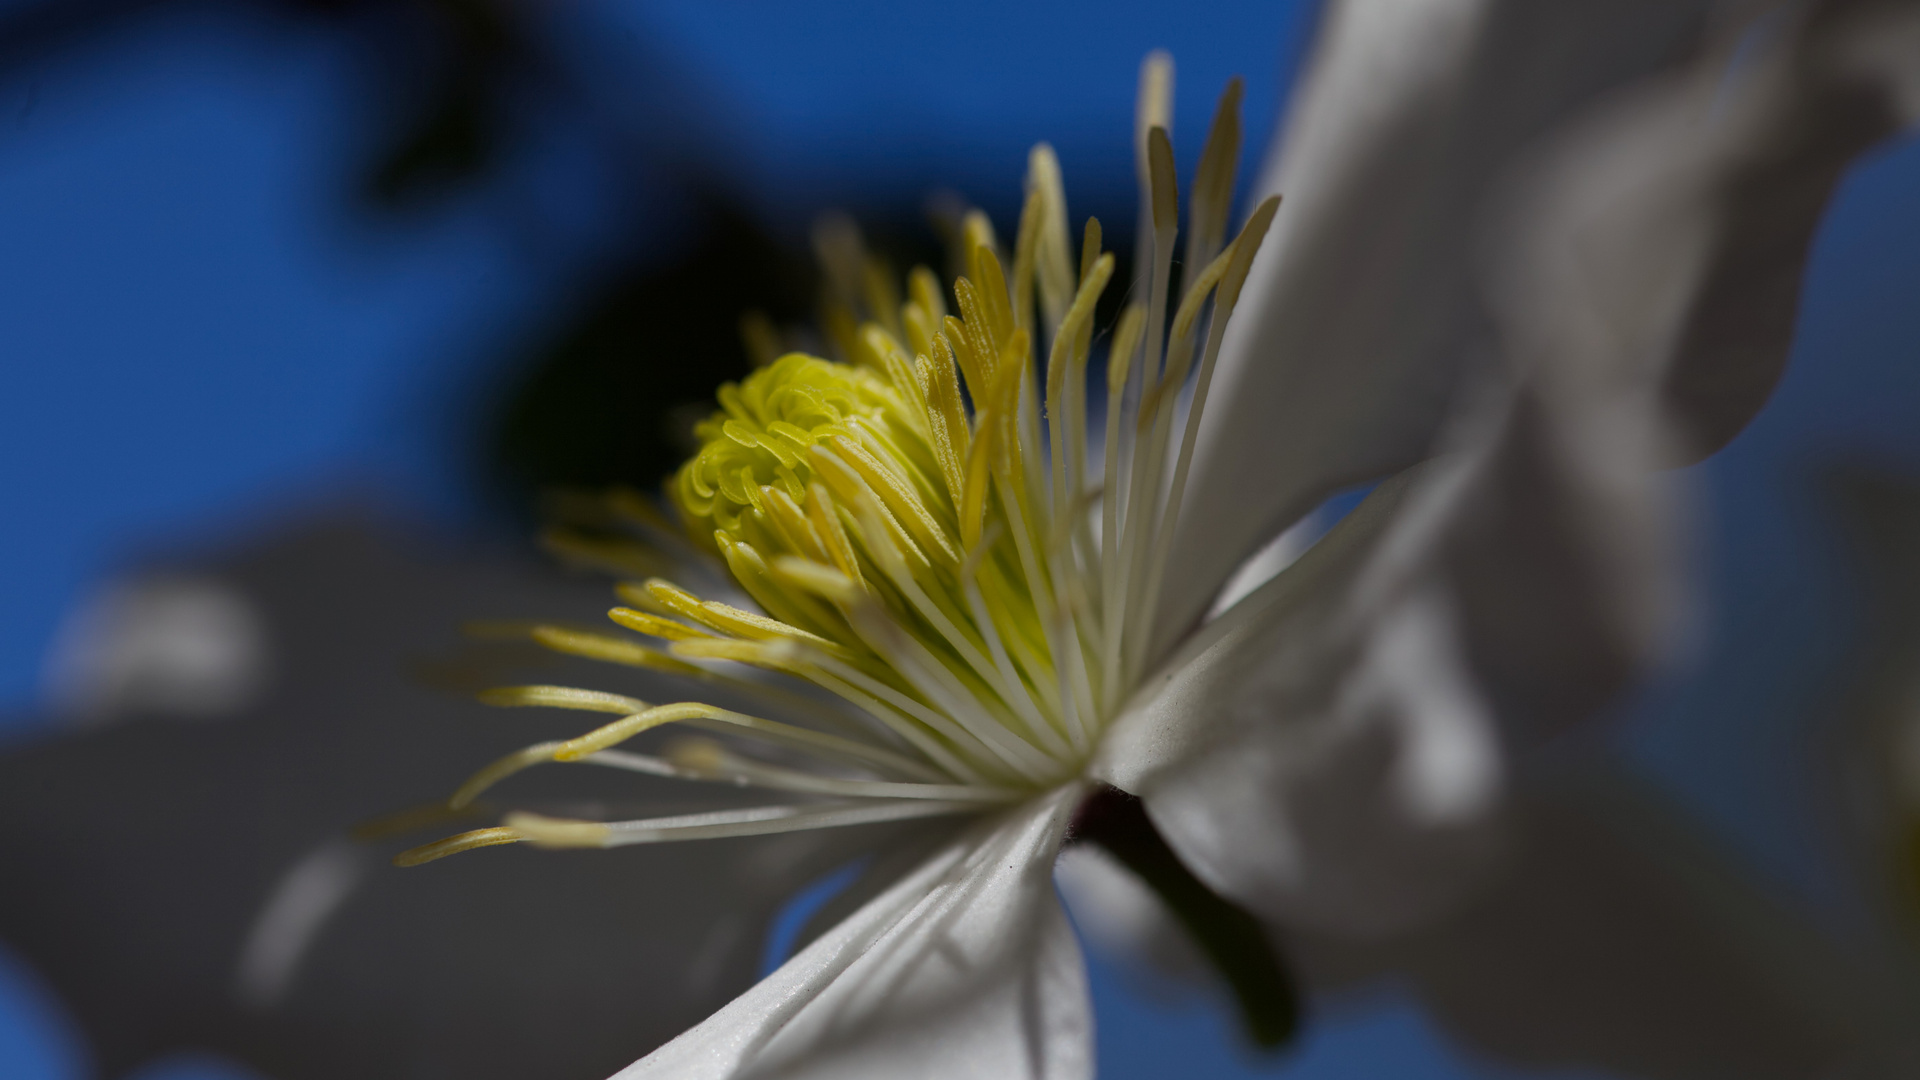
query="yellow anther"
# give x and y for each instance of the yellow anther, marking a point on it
(852, 491)
(1089, 247)
(1189, 311)
(453, 845)
(561, 697)
(1166, 188)
(643, 622)
(798, 613)
(976, 235)
(548, 832)
(898, 495)
(1026, 249)
(1053, 254)
(636, 594)
(666, 598)
(968, 337)
(746, 624)
(698, 755)
(613, 650)
(1180, 344)
(1212, 196)
(1078, 316)
(821, 580)
(946, 415)
(778, 655)
(1014, 364)
(790, 521)
(1126, 342)
(990, 283)
(930, 299)
(1245, 247)
(892, 359)
(824, 514)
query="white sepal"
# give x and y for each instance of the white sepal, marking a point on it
(966, 968)
(1359, 807)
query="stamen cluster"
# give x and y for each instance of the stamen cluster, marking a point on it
(919, 526)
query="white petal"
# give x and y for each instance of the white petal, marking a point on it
(1548, 543)
(1671, 226)
(1183, 709)
(965, 968)
(1319, 753)
(1360, 312)
(1329, 752)
(1358, 808)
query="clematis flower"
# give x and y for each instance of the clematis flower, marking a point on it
(974, 589)
(977, 602)
(1336, 751)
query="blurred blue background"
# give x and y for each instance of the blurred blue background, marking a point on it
(201, 328)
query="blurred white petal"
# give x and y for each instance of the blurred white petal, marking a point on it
(186, 886)
(1660, 237)
(177, 646)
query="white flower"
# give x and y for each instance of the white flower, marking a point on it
(984, 602)
(1012, 625)
(977, 599)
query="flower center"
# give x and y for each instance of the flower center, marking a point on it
(930, 533)
(896, 541)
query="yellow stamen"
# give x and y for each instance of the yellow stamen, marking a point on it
(915, 524)
(655, 626)
(548, 832)
(561, 697)
(613, 650)
(453, 845)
